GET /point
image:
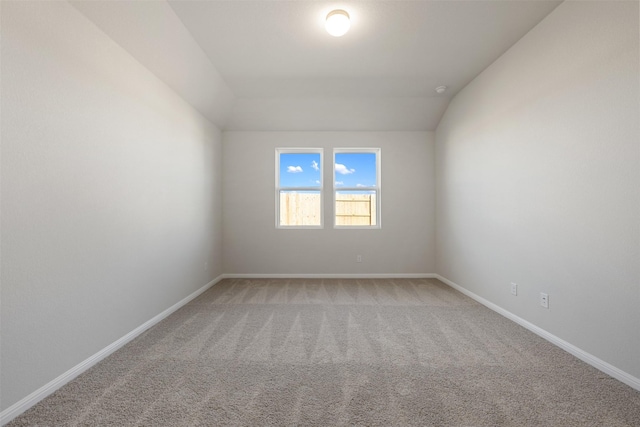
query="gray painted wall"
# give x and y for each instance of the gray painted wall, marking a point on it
(404, 244)
(538, 176)
(111, 190)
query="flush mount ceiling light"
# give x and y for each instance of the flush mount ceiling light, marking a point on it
(337, 22)
(440, 89)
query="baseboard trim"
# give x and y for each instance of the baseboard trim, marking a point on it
(332, 276)
(586, 357)
(22, 405)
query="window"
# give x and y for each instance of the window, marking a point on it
(299, 188)
(356, 187)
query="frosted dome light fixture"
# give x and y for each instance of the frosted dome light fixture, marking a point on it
(338, 22)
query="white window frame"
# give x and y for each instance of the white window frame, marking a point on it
(377, 188)
(288, 150)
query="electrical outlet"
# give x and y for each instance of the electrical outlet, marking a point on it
(544, 300)
(358, 258)
(514, 289)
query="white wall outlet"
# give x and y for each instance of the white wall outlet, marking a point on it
(514, 289)
(544, 300)
(358, 258)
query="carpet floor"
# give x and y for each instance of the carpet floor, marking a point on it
(338, 352)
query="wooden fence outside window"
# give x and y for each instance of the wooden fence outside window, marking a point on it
(303, 209)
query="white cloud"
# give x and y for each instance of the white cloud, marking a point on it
(314, 165)
(294, 169)
(360, 185)
(339, 182)
(317, 181)
(343, 170)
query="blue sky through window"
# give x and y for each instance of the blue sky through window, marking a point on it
(300, 169)
(355, 170)
(352, 170)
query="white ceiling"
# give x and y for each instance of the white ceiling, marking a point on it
(270, 65)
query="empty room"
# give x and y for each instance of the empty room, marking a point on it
(321, 213)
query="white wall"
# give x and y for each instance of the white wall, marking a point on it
(538, 180)
(110, 194)
(253, 245)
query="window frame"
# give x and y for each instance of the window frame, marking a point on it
(377, 188)
(298, 150)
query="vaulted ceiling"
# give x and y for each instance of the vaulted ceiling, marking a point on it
(270, 65)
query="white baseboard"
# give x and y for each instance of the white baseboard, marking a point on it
(19, 407)
(332, 276)
(22, 405)
(592, 360)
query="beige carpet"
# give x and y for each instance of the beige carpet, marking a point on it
(338, 352)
